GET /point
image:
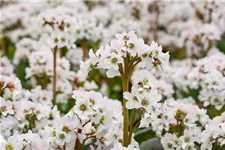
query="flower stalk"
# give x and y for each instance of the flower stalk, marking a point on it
(125, 72)
(125, 82)
(77, 142)
(54, 74)
(132, 124)
(85, 49)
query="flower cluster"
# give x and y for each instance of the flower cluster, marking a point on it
(214, 133)
(126, 46)
(24, 141)
(143, 95)
(99, 117)
(18, 113)
(179, 124)
(158, 81)
(24, 48)
(200, 40)
(206, 74)
(41, 62)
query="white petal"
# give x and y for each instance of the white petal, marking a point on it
(112, 73)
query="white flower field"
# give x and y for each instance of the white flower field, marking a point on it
(112, 75)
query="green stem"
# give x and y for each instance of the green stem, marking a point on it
(132, 124)
(125, 82)
(129, 65)
(136, 125)
(3, 45)
(80, 148)
(84, 48)
(77, 141)
(125, 72)
(54, 74)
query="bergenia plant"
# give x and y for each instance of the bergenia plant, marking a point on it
(119, 58)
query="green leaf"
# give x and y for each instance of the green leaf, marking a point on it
(20, 73)
(10, 51)
(151, 144)
(144, 135)
(221, 44)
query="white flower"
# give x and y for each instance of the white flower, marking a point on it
(133, 101)
(150, 100)
(42, 111)
(41, 96)
(144, 97)
(6, 107)
(119, 146)
(10, 87)
(213, 133)
(6, 68)
(74, 55)
(90, 85)
(62, 138)
(112, 73)
(13, 142)
(170, 141)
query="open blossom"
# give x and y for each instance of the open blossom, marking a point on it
(133, 99)
(6, 107)
(143, 96)
(10, 87)
(121, 25)
(24, 48)
(6, 68)
(157, 58)
(74, 56)
(41, 96)
(214, 133)
(13, 142)
(157, 80)
(118, 146)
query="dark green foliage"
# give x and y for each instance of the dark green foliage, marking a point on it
(221, 44)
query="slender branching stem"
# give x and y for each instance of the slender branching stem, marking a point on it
(54, 74)
(84, 47)
(125, 82)
(94, 137)
(77, 141)
(125, 72)
(132, 124)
